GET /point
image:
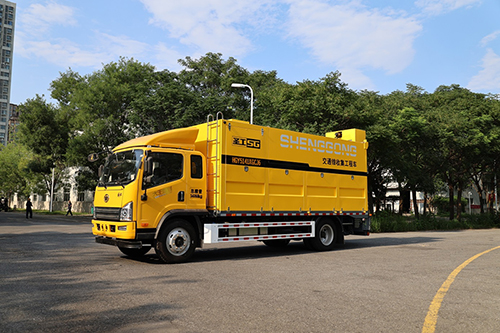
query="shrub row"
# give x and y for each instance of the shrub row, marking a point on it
(390, 222)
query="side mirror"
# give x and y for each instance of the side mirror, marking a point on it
(93, 157)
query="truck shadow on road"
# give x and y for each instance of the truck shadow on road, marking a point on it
(388, 241)
(258, 250)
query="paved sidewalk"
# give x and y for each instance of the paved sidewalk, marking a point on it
(37, 217)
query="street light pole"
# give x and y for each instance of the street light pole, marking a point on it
(51, 206)
(470, 206)
(240, 85)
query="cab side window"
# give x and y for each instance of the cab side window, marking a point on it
(167, 167)
(196, 167)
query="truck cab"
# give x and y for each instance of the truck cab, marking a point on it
(140, 186)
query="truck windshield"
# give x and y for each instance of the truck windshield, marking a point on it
(121, 168)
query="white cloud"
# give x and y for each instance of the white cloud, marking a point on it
(210, 25)
(38, 18)
(437, 7)
(34, 39)
(488, 79)
(66, 53)
(491, 37)
(121, 45)
(61, 52)
(353, 38)
(167, 58)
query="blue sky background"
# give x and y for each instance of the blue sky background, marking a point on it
(379, 45)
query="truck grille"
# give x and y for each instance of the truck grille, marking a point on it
(107, 213)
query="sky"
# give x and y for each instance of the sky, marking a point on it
(377, 45)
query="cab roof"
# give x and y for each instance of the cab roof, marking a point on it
(177, 138)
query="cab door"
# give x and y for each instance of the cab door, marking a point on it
(165, 187)
(197, 183)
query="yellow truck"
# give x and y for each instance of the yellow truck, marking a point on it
(231, 181)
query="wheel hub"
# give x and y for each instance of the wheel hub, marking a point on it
(178, 241)
(326, 234)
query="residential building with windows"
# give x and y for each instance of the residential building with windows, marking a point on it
(7, 26)
(13, 123)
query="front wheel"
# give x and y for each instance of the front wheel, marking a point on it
(327, 234)
(176, 242)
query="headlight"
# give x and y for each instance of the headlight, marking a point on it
(126, 212)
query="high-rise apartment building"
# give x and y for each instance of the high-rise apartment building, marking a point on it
(7, 24)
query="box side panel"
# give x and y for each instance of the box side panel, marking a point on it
(261, 169)
(322, 191)
(244, 190)
(286, 190)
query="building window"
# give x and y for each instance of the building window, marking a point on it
(66, 195)
(81, 196)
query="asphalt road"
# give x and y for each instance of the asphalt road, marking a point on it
(55, 278)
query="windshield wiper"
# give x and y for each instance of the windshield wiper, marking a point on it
(120, 180)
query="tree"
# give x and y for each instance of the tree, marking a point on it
(166, 103)
(14, 176)
(465, 135)
(371, 114)
(44, 131)
(315, 107)
(98, 109)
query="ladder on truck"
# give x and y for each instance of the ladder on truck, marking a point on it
(213, 159)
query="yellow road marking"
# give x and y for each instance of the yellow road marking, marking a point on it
(432, 314)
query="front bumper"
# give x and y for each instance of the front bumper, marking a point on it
(114, 229)
(128, 244)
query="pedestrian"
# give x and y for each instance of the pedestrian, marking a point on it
(70, 205)
(29, 211)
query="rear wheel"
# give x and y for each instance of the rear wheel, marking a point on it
(327, 235)
(176, 242)
(135, 253)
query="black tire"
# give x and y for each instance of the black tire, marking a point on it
(176, 242)
(135, 253)
(327, 236)
(276, 242)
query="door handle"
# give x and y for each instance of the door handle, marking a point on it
(180, 196)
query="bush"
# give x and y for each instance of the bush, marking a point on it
(483, 221)
(390, 222)
(442, 204)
